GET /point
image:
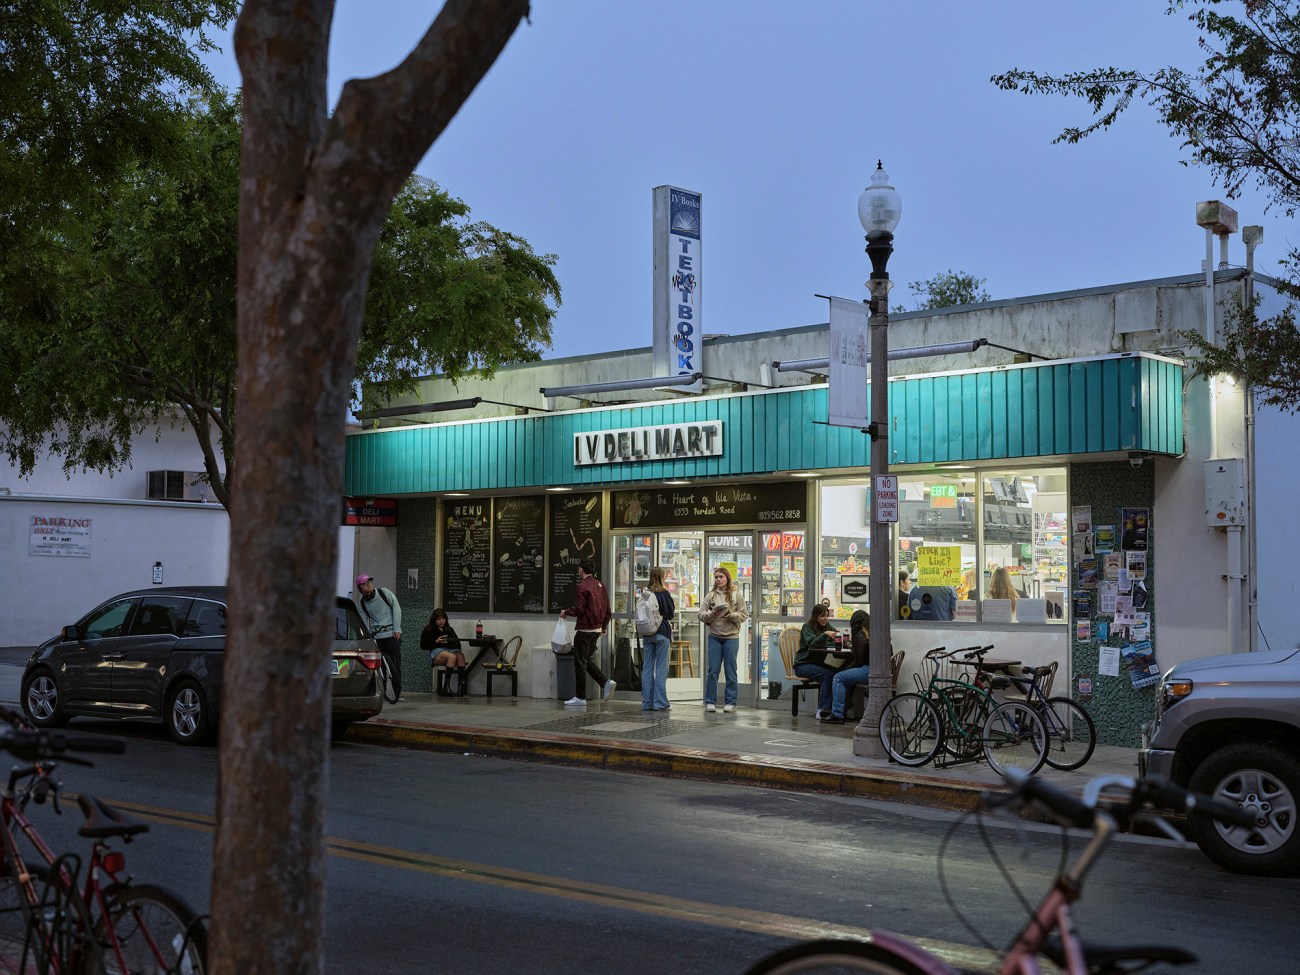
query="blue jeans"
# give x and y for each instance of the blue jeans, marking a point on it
(847, 678)
(819, 672)
(654, 672)
(722, 657)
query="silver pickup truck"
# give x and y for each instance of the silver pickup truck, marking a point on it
(1229, 726)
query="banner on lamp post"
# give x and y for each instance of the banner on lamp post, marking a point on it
(850, 357)
(678, 329)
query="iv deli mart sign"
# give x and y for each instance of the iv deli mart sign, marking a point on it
(676, 441)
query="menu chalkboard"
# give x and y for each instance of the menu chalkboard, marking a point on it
(575, 534)
(697, 506)
(467, 557)
(518, 541)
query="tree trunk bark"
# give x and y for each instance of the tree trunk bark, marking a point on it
(314, 192)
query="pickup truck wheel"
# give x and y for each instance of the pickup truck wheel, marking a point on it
(1265, 780)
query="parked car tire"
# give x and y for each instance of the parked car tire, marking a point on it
(338, 729)
(188, 714)
(1265, 779)
(41, 700)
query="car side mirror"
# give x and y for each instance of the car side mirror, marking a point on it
(70, 633)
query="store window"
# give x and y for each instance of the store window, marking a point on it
(1025, 533)
(971, 546)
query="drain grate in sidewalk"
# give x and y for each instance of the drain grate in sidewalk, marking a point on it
(619, 726)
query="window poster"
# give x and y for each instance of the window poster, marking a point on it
(1135, 522)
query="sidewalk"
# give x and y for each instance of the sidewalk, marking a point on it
(751, 746)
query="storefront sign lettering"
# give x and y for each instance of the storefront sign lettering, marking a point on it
(678, 441)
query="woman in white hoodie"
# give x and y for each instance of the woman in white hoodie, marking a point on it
(723, 612)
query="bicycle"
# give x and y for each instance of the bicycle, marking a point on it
(111, 925)
(386, 680)
(964, 720)
(1071, 733)
(891, 954)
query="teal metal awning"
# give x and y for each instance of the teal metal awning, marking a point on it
(1073, 408)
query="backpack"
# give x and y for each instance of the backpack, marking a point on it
(648, 617)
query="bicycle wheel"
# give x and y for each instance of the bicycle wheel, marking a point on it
(1014, 737)
(964, 716)
(154, 932)
(1071, 735)
(386, 675)
(829, 957)
(44, 926)
(910, 729)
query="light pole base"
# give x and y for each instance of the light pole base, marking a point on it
(867, 743)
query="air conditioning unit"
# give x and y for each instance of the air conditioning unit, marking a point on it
(178, 486)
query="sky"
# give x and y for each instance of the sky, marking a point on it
(777, 112)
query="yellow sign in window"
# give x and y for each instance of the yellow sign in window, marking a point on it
(938, 565)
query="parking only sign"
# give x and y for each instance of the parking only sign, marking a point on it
(886, 498)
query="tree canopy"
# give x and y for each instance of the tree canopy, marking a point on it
(944, 290)
(145, 290)
(1237, 114)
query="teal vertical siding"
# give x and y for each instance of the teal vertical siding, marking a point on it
(1114, 403)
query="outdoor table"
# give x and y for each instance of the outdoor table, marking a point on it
(482, 645)
(835, 659)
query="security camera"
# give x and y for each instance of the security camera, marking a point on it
(1135, 460)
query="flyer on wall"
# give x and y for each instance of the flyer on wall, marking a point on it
(1081, 515)
(1135, 522)
(1140, 660)
(1105, 538)
(1137, 565)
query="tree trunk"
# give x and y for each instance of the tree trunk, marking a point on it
(314, 193)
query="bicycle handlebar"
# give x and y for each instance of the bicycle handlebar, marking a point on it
(1165, 795)
(33, 746)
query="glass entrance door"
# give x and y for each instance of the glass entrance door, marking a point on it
(781, 571)
(733, 551)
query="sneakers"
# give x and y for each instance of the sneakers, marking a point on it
(821, 715)
(608, 689)
(832, 719)
(710, 708)
(401, 700)
(729, 708)
(575, 702)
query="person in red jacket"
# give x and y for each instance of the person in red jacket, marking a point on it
(592, 611)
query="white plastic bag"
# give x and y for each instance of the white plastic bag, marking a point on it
(562, 638)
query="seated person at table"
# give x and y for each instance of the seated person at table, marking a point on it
(817, 635)
(439, 640)
(854, 672)
(1000, 587)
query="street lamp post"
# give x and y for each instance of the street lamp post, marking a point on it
(879, 208)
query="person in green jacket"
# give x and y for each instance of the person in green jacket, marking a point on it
(817, 634)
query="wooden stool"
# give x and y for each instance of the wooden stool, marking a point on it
(680, 658)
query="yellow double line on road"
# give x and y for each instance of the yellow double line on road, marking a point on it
(644, 902)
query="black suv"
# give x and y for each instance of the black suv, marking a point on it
(157, 653)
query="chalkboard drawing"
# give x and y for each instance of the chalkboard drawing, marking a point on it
(585, 547)
(633, 509)
(595, 498)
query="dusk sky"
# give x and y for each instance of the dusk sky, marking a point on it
(777, 112)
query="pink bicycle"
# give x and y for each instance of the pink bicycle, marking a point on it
(1050, 932)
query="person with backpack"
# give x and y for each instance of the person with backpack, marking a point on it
(654, 609)
(384, 618)
(592, 610)
(722, 611)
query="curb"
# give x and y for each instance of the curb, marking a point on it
(670, 761)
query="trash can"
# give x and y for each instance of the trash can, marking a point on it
(564, 683)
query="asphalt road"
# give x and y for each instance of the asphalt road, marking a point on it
(458, 863)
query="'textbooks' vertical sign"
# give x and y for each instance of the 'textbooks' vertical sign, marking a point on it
(677, 274)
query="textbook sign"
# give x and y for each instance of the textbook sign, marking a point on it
(675, 441)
